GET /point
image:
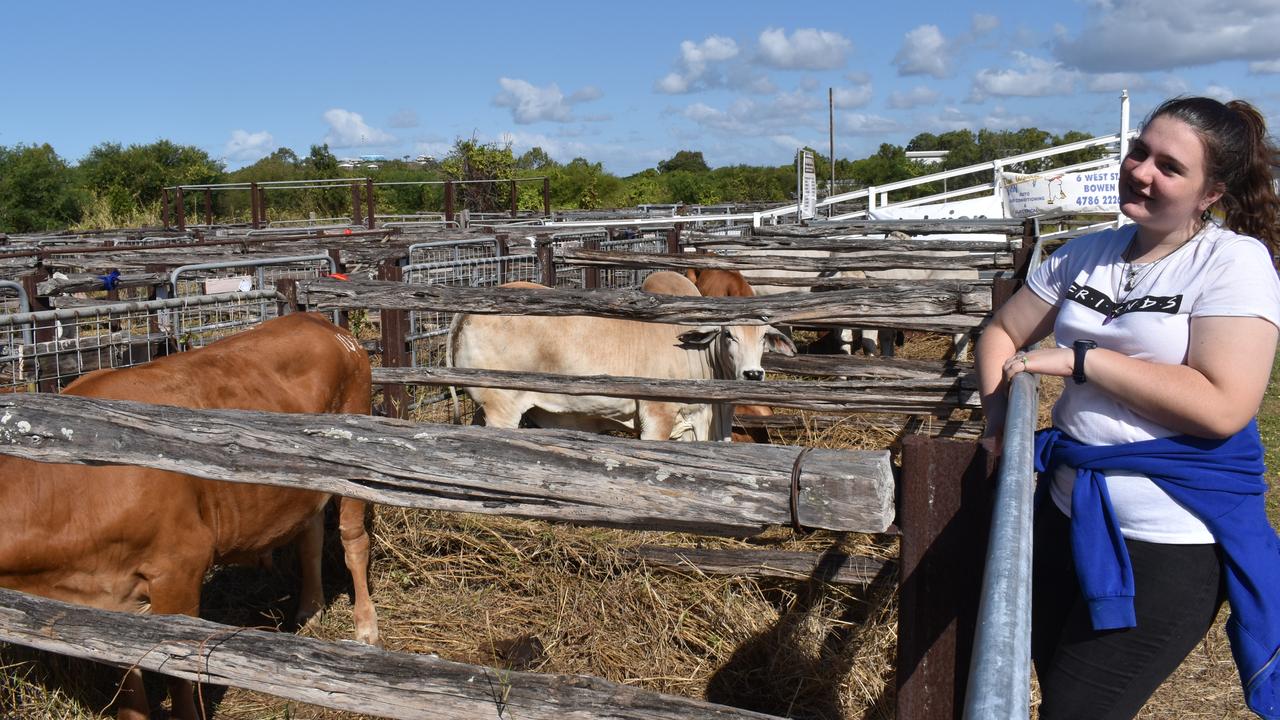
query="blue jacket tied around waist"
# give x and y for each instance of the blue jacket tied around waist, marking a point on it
(1221, 482)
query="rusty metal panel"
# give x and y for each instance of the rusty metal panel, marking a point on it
(944, 514)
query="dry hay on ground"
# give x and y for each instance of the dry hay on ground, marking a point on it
(553, 598)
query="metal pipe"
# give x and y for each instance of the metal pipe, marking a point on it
(75, 313)
(173, 276)
(1000, 675)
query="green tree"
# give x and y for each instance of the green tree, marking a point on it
(133, 178)
(535, 158)
(37, 190)
(684, 161)
(474, 160)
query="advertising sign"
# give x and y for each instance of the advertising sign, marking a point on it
(807, 185)
(1091, 191)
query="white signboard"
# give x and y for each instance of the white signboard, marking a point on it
(1092, 191)
(807, 185)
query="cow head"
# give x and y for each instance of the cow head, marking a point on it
(737, 349)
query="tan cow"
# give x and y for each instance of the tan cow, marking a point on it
(141, 540)
(582, 345)
(731, 283)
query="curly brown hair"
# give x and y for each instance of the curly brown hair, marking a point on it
(1238, 154)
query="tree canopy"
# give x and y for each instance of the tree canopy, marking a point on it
(116, 185)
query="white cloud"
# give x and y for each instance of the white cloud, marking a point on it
(1001, 119)
(852, 97)
(950, 118)
(983, 24)
(863, 124)
(695, 62)
(1264, 67)
(1141, 35)
(805, 49)
(404, 118)
(1033, 77)
(674, 84)
(924, 51)
(586, 94)
(783, 113)
(249, 147)
(530, 103)
(1114, 82)
(915, 97)
(348, 129)
(1219, 92)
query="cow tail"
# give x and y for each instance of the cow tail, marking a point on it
(454, 324)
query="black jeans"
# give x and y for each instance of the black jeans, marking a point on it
(1110, 674)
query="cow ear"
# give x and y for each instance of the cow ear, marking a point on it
(698, 339)
(775, 341)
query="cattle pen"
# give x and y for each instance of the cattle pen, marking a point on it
(937, 501)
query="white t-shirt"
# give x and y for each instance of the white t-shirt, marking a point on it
(1216, 273)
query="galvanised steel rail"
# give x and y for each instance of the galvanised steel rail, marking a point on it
(1000, 668)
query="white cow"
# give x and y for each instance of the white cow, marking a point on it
(581, 345)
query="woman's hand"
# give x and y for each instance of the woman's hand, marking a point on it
(1046, 361)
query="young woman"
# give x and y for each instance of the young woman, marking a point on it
(1153, 508)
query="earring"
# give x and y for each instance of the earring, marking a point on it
(1206, 216)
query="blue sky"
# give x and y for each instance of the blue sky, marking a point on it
(626, 84)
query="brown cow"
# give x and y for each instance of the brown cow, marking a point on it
(730, 283)
(136, 539)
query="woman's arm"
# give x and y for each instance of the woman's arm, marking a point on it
(1213, 395)
(1023, 320)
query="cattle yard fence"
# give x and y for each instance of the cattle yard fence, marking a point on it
(936, 573)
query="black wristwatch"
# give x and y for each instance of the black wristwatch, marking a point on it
(1081, 347)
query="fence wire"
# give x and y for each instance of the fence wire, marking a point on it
(46, 350)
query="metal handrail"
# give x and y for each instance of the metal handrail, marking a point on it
(1000, 669)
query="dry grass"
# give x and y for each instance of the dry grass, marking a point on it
(481, 589)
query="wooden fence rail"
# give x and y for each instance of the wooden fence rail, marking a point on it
(341, 675)
(855, 243)
(881, 395)
(836, 263)
(953, 307)
(910, 227)
(729, 488)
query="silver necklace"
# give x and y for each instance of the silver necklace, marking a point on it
(1133, 275)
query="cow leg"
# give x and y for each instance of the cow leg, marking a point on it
(885, 339)
(177, 592)
(355, 549)
(655, 420)
(132, 702)
(310, 546)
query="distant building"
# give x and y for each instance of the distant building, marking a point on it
(927, 157)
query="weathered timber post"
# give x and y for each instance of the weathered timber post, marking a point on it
(44, 332)
(164, 207)
(673, 239)
(546, 197)
(448, 200)
(344, 319)
(515, 206)
(181, 210)
(368, 197)
(355, 203)
(288, 287)
(591, 273)
(262, 206)
(254, 199)
(945, 514)
(547, 259)
(208, 206)
(395, 325)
